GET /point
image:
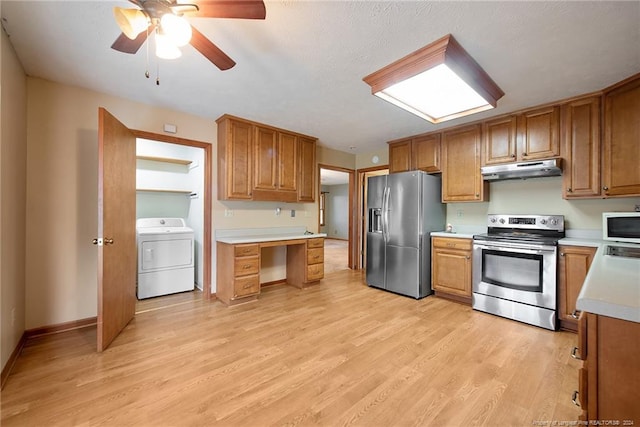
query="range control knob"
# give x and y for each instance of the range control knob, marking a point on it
(543, 221)
(493, 220)
(553, 221)
(501, 220)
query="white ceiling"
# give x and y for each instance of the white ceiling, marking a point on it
(302, 68)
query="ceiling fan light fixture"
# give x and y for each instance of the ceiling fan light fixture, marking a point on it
(165, 49)
(438, 82)
(131, 21)
(176, 28)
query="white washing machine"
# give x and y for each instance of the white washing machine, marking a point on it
(165, 257)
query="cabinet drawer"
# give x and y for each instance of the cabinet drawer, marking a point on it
(452, 243)
(315, 272)
(246, 250)
(246, 265)
(315, 243)
(315, 256)
(246, 286)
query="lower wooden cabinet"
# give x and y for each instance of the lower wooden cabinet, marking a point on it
(305, 263)
(238, 272)
(573, 266)
(451, 267)
(609, 379)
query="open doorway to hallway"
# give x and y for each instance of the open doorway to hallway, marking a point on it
(335, 216)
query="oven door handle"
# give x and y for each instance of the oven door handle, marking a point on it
(511, 247)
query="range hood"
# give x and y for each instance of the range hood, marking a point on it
(522, 170)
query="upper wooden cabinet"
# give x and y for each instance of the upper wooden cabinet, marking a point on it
(262, 163)
(275, 165)
(499, 140)
(621, 154)
(419, 153)
(426, 153)
(307, 170)
(531, 135)
(235, 145)
(400, 153)
(461, 178)
(580, 148)
(539, 134)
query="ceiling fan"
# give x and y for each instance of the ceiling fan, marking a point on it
(165, 18)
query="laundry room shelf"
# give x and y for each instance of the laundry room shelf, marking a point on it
(160, 190)
(165, 160)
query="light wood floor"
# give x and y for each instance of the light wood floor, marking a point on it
(338, 353)
(336, 255)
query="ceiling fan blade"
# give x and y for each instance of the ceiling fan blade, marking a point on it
(126, 45)
(210, 50)
(244, 9)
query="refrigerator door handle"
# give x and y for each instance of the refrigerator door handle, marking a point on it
(385, 214)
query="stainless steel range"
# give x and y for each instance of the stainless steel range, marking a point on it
(514, 268)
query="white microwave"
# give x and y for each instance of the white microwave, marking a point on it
(621, 226)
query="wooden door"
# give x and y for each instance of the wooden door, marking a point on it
(264, 159)
(400, 156)
(307, 170)
(426, 153)
(452, 272)
(287, 162)
(621, 163)
(116, 227)
(581, 148)
(499, 140)
(461, 178)
(573, 266)
(539, 132)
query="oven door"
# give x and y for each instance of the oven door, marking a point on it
(524, 273)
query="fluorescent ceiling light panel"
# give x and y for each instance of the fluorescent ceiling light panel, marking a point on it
(438, 82)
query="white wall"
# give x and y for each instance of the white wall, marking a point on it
(13, 173)
(536, 196)
(336, 211)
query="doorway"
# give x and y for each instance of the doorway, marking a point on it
(336, 210)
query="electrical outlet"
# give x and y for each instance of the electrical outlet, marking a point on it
(293, 213)
(460, 213)
(13, 317)
(228, 212)
(637, 208)
(278, 210)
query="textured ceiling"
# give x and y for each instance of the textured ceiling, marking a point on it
(302, 67)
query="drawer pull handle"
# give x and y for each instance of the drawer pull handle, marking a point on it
(575, 314)
(247, 286)
(574, 353)
(246, 266)
(574, 398)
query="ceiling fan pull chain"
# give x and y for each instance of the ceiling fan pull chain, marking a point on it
(146, 71)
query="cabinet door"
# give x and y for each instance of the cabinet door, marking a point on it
(499, 140)
(573, 265)
(307, 170)
(461, 179)
(539, 133)
(287, 162)
(452, 272)
(621, 163)
(426, 153)
(581, 148)
(265, 159)
(234, 160)
(400, 156)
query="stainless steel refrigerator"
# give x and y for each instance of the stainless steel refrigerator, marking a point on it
(403, 208)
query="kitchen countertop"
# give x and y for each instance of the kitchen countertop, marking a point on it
(455, 235)
(612, 285)
(259, 235)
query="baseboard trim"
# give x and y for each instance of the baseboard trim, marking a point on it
(274, 283)
(61, 327)
(455, 298)
(6, 371)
